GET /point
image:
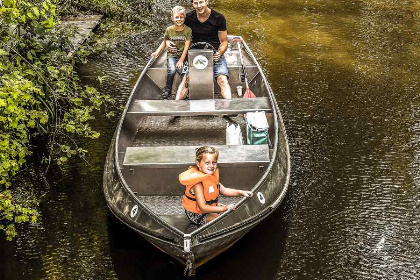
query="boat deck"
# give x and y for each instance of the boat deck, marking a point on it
(185, 130)
(171, 205)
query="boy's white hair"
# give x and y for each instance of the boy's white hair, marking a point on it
(178, 9)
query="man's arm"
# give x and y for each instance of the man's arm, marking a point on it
(223, 41)
(223, 45)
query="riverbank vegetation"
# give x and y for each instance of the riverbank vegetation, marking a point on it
(43, 108)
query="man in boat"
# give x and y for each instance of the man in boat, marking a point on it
(209, 26)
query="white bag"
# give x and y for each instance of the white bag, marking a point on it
(233, 135)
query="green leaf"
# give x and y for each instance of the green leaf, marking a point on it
(29, 55)
(9, 3)
(44, 119)
(36, 11)
(6, 164)
(50, 22)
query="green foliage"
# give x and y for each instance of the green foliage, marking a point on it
(12, 214)
(40, 98)
(138, 11)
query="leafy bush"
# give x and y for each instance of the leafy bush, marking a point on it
(40, 100)
(138, 11)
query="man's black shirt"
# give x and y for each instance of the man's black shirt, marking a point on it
(208, 30)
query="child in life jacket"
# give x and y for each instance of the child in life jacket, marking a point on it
(177, 39)
(202, 188)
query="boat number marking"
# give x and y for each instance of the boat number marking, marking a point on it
(200, 62)
(261, 197)
(134, 211)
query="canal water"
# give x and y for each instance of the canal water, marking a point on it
(346, 76)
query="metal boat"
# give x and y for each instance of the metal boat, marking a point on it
(156, 140)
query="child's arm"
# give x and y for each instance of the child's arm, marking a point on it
(184, 55)
(234, 192)
(201, 201)
(159, 49)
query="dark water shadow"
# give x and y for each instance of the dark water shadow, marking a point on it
(255, 256)
(135, 258)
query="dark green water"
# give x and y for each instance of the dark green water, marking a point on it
(346, 75)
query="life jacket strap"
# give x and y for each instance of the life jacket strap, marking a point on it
(210, 202)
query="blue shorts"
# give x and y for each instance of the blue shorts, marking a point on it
(220, 68)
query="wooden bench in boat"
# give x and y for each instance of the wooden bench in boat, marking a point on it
(180, 156)
(200, 107)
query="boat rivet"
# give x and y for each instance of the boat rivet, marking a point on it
(261, 197)
(134, 211)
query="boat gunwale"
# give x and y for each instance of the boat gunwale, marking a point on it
(124, 184)
(273, 205)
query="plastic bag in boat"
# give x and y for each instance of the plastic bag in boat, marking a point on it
(233, 135)
(256, 128)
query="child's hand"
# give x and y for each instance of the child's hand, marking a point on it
(230, 207)
(179, 64)
(172, 47)
(155, 54)
(246, 193)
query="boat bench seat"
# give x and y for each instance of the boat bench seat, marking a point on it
(199, 107)
(181, 156)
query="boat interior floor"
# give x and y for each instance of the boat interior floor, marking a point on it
(170, 209)
(172, 205)
(185, 130)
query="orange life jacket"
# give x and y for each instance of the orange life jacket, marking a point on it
(211, 188)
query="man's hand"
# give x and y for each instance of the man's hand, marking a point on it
(216, 56)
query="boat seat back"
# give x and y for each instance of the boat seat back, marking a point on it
(157, 73)
(199, 107)
(155, 170)
(201, 83)
(183, 156)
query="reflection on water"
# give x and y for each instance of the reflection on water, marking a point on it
(346, 75)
